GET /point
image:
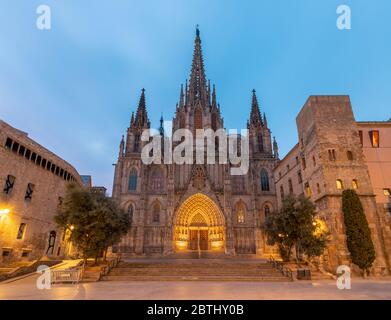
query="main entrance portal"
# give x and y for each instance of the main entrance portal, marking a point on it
(199, 225)
(198, 239)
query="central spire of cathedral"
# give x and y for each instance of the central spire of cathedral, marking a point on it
(141, 119)
(198, 86)
(255, 116)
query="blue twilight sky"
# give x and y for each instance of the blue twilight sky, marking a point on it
(73, 88)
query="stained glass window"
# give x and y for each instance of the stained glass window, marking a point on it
(133, 180)
(264, 180)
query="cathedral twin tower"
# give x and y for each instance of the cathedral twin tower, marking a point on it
(195, 207)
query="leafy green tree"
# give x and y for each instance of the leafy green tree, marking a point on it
(359, 241)
(94, 220)
(294, 226)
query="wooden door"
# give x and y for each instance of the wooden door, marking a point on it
(203, 239)
(193, 239)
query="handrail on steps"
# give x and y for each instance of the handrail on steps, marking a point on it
(280, 266)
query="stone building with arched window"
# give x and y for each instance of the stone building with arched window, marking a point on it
(343, 157)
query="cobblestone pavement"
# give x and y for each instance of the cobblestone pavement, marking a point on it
(325, 289)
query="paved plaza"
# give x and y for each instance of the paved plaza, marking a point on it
(133, 290)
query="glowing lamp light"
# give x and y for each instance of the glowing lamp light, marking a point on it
(72, 227)
(217, 244)
(4, 211)
(181, 245)
(320, 227)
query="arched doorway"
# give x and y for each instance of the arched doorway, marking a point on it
(199, 225)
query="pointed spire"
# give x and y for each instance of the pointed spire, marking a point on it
(181, 99)
(214, 104)
(255, 115)
(121, 147)
(186, 93)
(132, 119)
(197, 88)
(209, 92)
(264, 120)
(275, 148)
(161, 128)
(141, 119)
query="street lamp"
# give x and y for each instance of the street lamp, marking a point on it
(4, 211)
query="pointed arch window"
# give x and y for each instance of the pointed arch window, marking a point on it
(156, 213)
(240, 212)
(198, 119)
(157, 183)
(132, 185)
(264, 180)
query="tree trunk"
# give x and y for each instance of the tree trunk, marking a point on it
(365, 273)
(290, 252)
(105, 254)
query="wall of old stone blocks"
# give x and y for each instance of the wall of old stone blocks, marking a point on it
(36, 213)
(324, 124)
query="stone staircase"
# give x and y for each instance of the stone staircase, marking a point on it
(194, 270)
(198, 255)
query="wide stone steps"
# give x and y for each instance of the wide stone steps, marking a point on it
(196, 278)
(195, 270)
(199, 255)
(192, 272)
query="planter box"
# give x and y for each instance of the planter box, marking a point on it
(303, 274)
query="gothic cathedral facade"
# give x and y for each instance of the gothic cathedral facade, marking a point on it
(195, 207)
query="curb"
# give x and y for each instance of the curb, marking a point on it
(29, 274)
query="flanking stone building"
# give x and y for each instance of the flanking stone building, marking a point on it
(334, 153)
(177, 208)
(33, 183)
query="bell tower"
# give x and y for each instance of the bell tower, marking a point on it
(259, 133)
